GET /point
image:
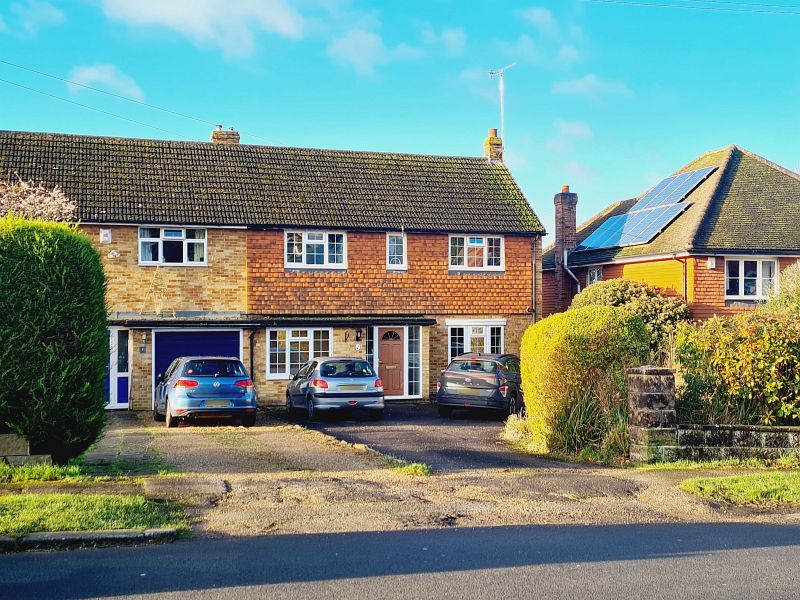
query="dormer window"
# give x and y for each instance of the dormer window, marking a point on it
(172, 246)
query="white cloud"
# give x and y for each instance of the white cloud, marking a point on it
(35, 14)
(592, 87)
(454, 40)
(567, 133)
(228, 24)
(106, 76)
(364, 50)
(542, 19)
(568, 54)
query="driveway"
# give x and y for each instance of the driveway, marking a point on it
(416, 433)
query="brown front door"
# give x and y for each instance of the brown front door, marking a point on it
(390, 360)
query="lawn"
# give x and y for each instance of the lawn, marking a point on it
(27, 513)
(776, 487)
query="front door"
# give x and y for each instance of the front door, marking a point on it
(390, 360)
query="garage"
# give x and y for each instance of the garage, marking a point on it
(169, 345)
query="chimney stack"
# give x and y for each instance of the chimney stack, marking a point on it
(223, 137)
(493, 147)
(566, 227)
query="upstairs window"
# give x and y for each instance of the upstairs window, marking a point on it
(396, 252)
(750, 279)
(172, 246)
(316, 249)
(476, 253)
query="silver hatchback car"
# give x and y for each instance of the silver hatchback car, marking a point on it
(335, 384)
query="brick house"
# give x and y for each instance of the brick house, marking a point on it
(277, 255)
(717, 233)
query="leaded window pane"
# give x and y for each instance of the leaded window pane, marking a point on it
(456, 341)
(294, 248)
(457, 251)
(496, 340)
(335, 248)
(494, 252)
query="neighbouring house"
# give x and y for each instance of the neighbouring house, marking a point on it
(277, 255)
(717, 233)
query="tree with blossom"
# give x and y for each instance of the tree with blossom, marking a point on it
(35, 201)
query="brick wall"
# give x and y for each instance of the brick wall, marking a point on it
(220, 286)
(368, 288)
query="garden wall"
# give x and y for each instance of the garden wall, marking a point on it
(656, 436)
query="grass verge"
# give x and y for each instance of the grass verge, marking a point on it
(34, 473)
(755, 489)
(406, 468)
(26, 513)
(791, 461)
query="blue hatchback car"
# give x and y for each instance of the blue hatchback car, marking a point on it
(196, 387)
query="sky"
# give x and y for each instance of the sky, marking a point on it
(608, 96)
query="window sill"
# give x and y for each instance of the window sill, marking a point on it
(151, 264)
(279, 377)
(452, 271)
(400, 270)
(314, 269)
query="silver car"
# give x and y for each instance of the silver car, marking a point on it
(331, 384)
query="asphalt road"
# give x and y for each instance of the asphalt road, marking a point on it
(466, 441)
(597, 563)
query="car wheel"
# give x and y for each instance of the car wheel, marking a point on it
(156, 416)
(171, 421)
(249, 420)
(445, 411)
(311, 411)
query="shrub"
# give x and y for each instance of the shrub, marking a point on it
(53, 336)
(573, 371)
(661, 314)
(743, 369)
(787, 299)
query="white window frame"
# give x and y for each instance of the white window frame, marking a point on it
(484, 244)
(326, 263)
(594, 275)
(312, 351)
(162, 238)
(404, 265)
(468, 325)
(760, 295)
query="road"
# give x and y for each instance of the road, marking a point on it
(467, 441)
(727, 561)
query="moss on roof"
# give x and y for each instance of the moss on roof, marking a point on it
(120, 180)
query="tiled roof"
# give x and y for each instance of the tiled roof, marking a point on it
(748, 205)
(117, 180)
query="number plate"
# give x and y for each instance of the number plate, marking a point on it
(351, 388)
(217, 403)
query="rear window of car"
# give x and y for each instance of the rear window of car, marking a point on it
(214, 368)
(473, 365)
(346, 368)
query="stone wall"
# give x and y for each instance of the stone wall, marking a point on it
(656, 436)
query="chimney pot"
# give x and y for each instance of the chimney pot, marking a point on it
(493, 132)
(565, 189)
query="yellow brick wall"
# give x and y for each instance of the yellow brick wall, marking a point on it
(220, 286)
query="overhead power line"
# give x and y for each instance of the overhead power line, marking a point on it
(741, 7)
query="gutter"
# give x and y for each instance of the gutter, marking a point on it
(571, 274)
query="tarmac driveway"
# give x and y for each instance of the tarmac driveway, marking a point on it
(416, 433)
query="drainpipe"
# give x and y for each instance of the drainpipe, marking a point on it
(252, 351)
(571, 274)
(685, 278)
(533, 280)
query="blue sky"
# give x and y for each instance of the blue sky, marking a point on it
(607, 97)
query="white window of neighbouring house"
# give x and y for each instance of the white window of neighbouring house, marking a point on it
(172, 246)
(750, 278)
(477, 253)
(315, 250)
(290, 349)
(594, 275)
(396, 252)
(475, 336)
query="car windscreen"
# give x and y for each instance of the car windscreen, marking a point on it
(214, 367)
(473, 365)
(346, 368)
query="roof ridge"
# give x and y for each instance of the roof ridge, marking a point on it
(723, 168)
(230, 146)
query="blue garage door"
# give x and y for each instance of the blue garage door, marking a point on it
(172, 344)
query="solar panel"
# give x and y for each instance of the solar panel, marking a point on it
(673, 189)
(650, 215)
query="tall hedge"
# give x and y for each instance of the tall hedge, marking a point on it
(571, 355)
(743, 369)
(661, 314)
(53, 336)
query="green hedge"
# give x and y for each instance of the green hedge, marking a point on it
(573, 372)
(53, 336)
(743, 369)
(661, 314)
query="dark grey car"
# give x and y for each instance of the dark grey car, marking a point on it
(485, 381)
